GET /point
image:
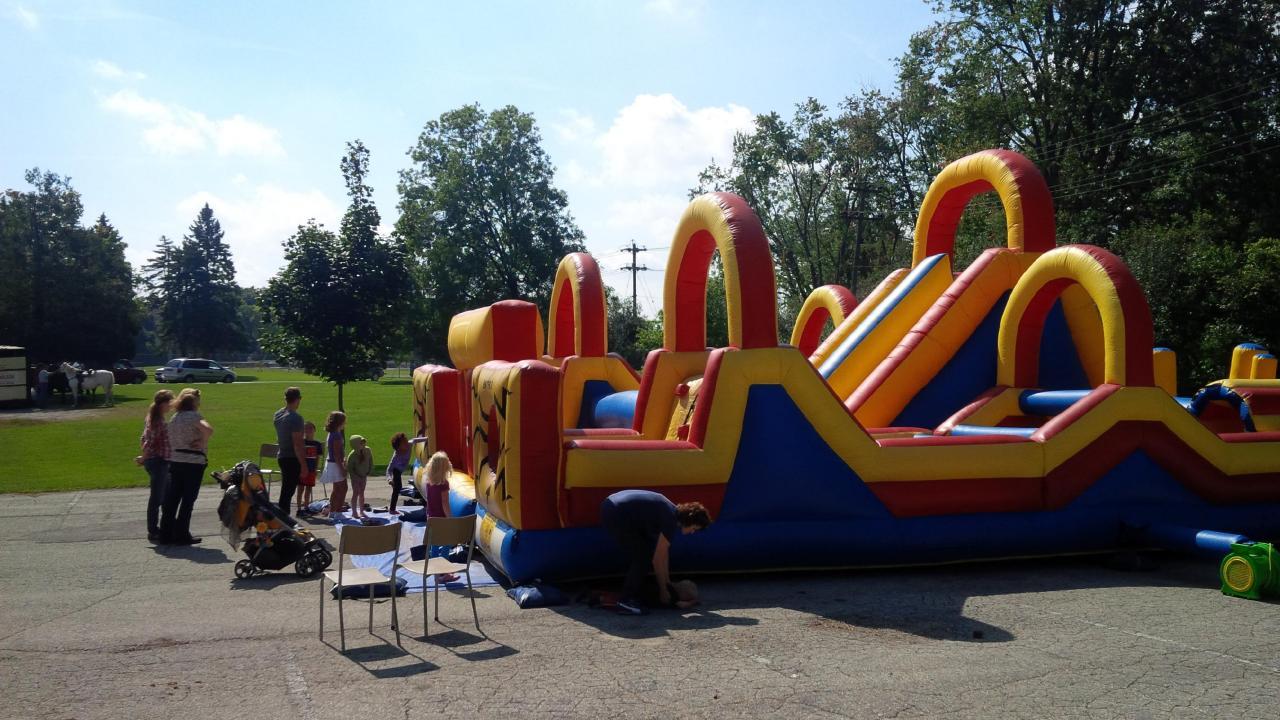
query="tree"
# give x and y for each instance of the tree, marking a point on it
(481, 216)
(826, 189)
(68, 291)
(193, 288)
(1153, 123)
(338, 307)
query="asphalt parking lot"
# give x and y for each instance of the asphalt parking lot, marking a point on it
(97, 623)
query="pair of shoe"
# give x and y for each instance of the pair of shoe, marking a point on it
(186, 541)
(153, 536)
(631, 606)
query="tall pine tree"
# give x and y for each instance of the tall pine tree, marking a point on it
(192, 288)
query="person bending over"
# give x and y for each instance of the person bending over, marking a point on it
(644, 523)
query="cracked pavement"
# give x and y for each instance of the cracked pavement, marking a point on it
(97, 623)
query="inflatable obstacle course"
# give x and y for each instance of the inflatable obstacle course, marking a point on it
(1016, 407)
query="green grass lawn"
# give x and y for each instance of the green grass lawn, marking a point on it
(89, 449)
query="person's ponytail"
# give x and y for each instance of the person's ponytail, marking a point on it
(155, 413)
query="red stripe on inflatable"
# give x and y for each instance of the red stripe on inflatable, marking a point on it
(757, 296)
(583, 433)
(894, 429)
(1031, 332)
(922, 328)
(1067, 481)
(1250, 437)
(515, 330)
(941, 237)
(593, 323)
(948, 497)
(447, 416)
(691, 292)
(945, 440)
(706, 396)
(1081, 471)
(1075, 411)
(963, 413)
(811, 334)
(539, 445)
(1261, 401)
(1037, 202)
(589, 444)
(582, 505)
(564, 320)
(1139, 336)
(646, 389)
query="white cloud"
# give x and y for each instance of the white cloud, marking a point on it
(171, 129)
(574, 125)
(29, 19)
(111, 71)
(657, 141)
(630, 181)
(257, 221)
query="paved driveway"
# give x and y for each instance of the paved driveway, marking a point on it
(96, 623)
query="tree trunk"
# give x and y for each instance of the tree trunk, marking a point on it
(340, 409)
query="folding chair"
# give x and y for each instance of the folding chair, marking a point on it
(363, 540)
(445, 531)
(268, 450)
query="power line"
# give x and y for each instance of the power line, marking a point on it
(1129, 126)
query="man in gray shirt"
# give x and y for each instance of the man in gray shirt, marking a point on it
(291, 451)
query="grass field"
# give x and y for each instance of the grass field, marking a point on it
(94, 448)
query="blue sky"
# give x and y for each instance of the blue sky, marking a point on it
(155, 108)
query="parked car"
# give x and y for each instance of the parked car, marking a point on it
(127, 374)
(189, 370)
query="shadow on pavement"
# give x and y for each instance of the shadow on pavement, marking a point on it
(903, 605)
(372, 658)
(192, 553)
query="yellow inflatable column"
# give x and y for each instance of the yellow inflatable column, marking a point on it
(1165, 364)
(1264, 367)
(1242, 360)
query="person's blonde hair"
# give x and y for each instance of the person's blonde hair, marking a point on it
(334, 421)
(439, 468)
(188, 401)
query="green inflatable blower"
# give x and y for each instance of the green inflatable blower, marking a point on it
(1251, 570)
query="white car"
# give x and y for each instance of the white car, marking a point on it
(189, 370)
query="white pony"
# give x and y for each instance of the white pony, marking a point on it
(91, 380)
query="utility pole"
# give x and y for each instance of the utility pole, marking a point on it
(635, 312)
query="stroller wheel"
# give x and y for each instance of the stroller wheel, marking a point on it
(245, 569)
(305, 567)
(321, 558)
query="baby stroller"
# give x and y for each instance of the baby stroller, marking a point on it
(270, 538)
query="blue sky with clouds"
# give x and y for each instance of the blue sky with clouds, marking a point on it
(155, 108)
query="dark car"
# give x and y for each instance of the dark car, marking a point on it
(127, 374)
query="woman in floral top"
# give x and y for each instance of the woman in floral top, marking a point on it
(155, 458)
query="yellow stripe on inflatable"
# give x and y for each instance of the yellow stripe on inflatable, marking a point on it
(941, 342)
(889, 329)
(860, 313)
(1065, 263)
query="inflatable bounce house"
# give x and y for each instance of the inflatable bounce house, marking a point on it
(1015, 408)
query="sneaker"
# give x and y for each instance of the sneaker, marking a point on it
(189, 541)
(630, 607)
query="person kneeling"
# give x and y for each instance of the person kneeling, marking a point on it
(644, 523)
